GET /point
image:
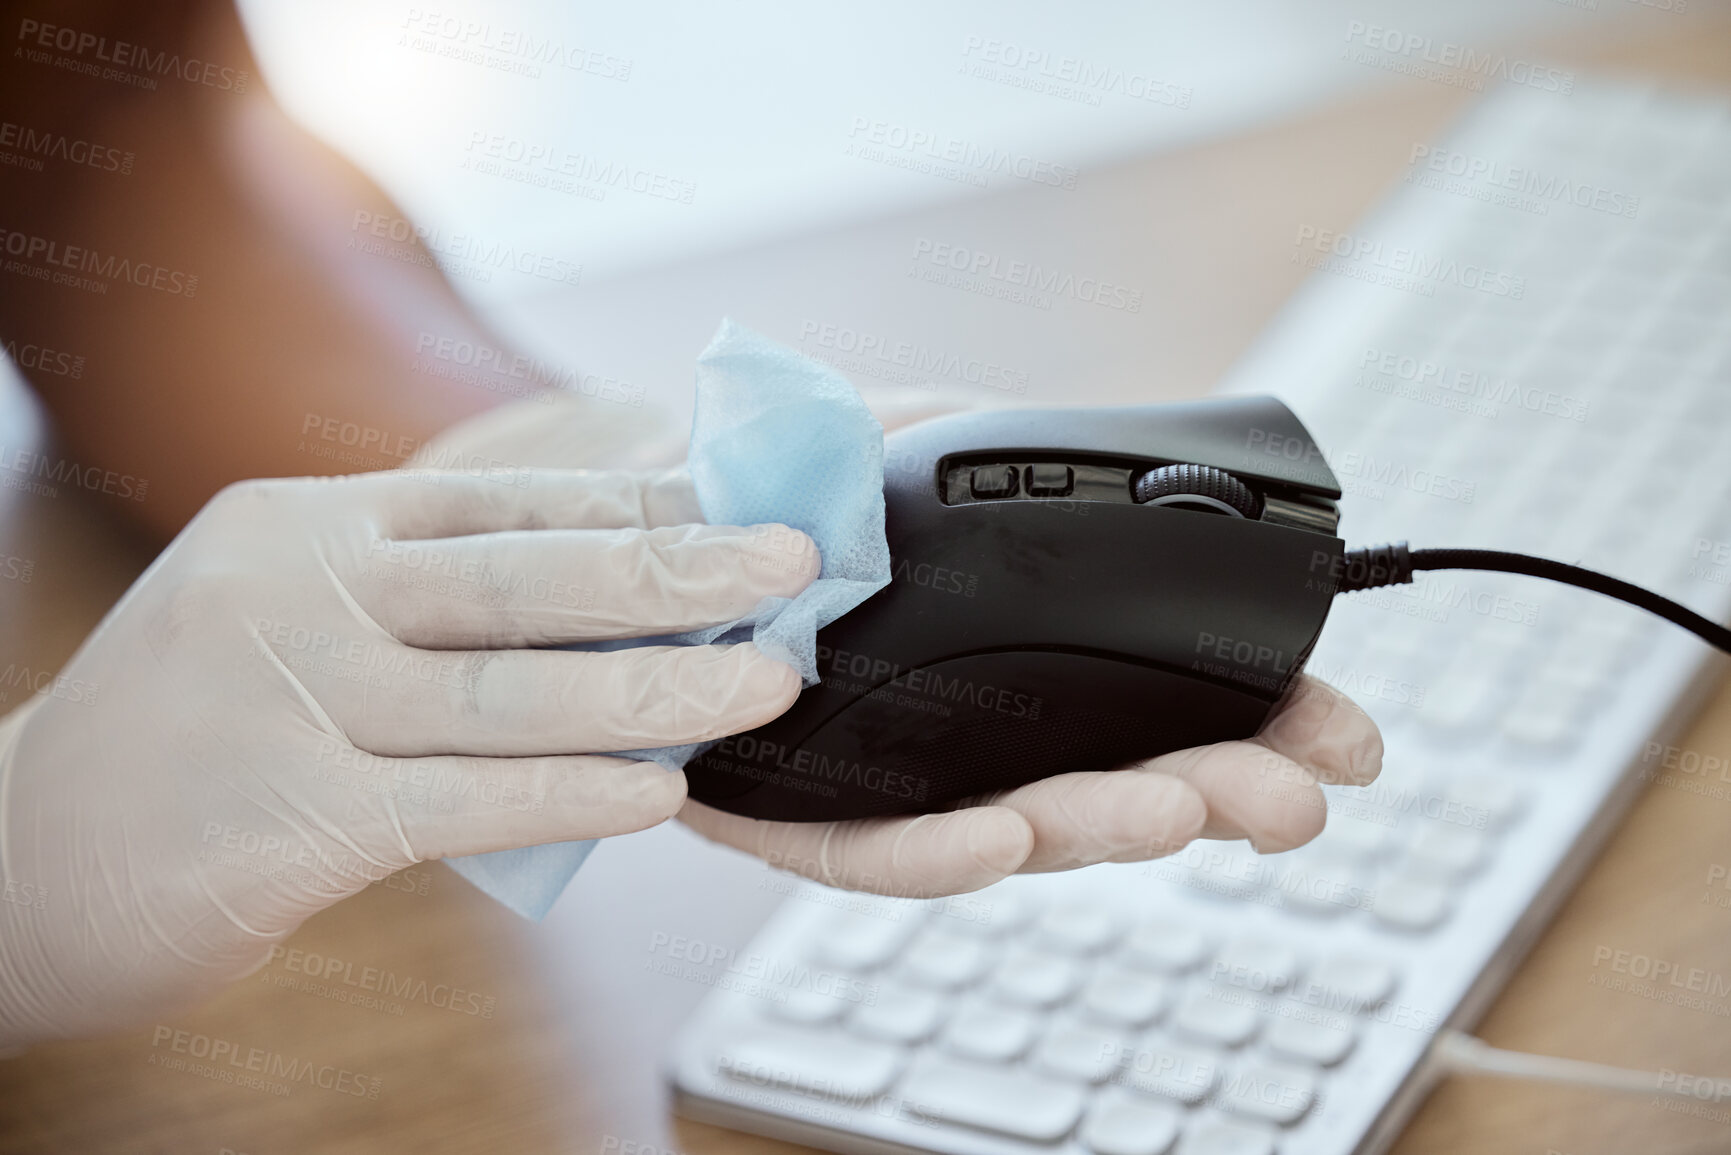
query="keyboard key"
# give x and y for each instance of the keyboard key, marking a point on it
(1124, 997)
(993, 912)
(1500, 800)
(860, 942)
(1214, 1015)
(1010, 1102)
(1445, 851)
(1036, 979)
(1077, 1051)
(1547, 715)
(1353, 838)
(941, 958)
(1299, 1041)
(1352, 982)
(814, 1062)
(1221, 874)
(1166, 946)
(1459, 697)
(1224, 1137)
(1126, 1124)
(1256, 964)
(989, 1031)
(1171, 1069)
(1077, 929)
(1412, 904)
(1322, 884)
(804, 1005)
(899, 1014)
(1267, 1092)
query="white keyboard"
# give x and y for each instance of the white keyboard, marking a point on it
(1569, 397)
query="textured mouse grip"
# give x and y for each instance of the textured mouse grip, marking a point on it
(1171, 481)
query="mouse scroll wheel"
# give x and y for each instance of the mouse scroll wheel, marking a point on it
(1200, 487)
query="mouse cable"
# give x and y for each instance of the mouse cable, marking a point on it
(1387, 565)
(1458, 1053)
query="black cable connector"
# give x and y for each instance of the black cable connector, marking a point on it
(1374, 566)
(1389, 565)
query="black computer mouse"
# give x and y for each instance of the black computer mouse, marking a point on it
(1073, 589)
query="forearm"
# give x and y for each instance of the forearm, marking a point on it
(291, 332)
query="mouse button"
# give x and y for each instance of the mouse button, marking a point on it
(992, 481)
(1050, 480)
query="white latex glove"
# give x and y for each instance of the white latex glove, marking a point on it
(1264, 790)
(321, 682)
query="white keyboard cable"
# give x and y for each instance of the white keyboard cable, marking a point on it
(1458, 1053)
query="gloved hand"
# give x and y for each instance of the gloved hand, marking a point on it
(321, 682)
(1264, 790)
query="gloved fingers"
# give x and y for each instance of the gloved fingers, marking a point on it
(670, 498)
(1322, 729)
(1106, 816)
(1251, 792)
(554, 586)
(426, 503)
(519, 703)
(455, 805)
(916, 856)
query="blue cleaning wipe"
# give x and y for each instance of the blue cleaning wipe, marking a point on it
(777, 437)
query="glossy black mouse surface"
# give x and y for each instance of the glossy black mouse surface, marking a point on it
(1062, 599)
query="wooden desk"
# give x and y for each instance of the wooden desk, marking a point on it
(567, 1060)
